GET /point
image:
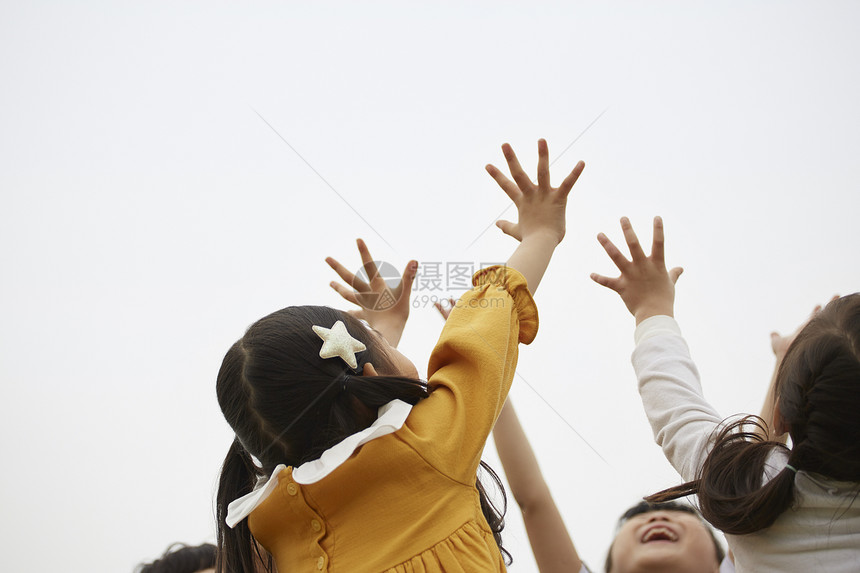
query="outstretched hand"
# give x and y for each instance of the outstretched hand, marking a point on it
(384, 308)
(645, 286)
(541, 207)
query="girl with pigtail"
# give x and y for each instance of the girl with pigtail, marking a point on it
(344, 460)
(782, 508)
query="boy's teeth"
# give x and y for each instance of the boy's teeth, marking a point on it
(660, 532)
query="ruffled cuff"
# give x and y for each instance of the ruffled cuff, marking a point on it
(505, 278)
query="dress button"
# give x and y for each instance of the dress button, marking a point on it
(320, 563)
(316, 525)
(292, 489)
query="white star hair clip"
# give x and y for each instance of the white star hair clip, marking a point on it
(338, 342)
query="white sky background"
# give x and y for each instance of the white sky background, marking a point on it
(149, 216)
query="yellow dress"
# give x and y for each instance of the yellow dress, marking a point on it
(406, 502)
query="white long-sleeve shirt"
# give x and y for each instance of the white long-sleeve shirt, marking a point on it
(820, 533)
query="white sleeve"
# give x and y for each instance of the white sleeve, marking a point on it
(681, 419)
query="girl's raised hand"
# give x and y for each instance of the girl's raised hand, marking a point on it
(645, 286)
(541, 207)
(384, 308)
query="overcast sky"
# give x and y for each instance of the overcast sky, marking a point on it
(173, 171)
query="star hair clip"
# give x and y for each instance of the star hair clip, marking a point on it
(337, 341)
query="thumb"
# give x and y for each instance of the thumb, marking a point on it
(675, 273)
(774, 340)
(510, 229)
(408, 277)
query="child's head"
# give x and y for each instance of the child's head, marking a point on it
(818, 392)
(181, 558)
(818, 397)
(287, 405)
(663, 537)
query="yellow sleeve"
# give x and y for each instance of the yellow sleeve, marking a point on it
(470, 372)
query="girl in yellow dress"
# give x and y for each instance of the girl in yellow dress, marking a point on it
(343, 459)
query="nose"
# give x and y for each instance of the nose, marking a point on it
(658, 516)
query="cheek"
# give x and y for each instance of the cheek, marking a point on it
(621, 550)
(702, 546)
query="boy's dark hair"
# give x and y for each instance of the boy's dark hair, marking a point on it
(181, 558)
(287, 405)
(818, 397)
(648, 507)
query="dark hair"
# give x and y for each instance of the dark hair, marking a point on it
(181, 558)
(648, 507)
(495, 516)
(287, 405)
(818, 395)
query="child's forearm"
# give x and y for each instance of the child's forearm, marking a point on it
(551, 544)
(531, 257)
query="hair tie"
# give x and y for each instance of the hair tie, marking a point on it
(791, 467)
(343, 380)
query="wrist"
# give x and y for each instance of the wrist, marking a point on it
(391, 329)
(544, 237)
(645, 313)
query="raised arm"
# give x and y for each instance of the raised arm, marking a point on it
(541, 212)
(551, 544)
(680, 417)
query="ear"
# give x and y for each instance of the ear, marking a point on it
(369, 370)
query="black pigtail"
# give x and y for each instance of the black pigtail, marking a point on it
(236, 546)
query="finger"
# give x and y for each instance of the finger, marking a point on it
(408, 277)
(445, 312)
(509, 187)
(636, 252)
(367, 261)
(607, 282)
(522, 180)
(774, 340)
(347, 294)
(347, 276)
(675, 273)
(510, 229)
(657, 241)
(617, 257)
(543, 164)
(571, 179)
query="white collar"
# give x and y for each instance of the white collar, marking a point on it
(391, 418)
